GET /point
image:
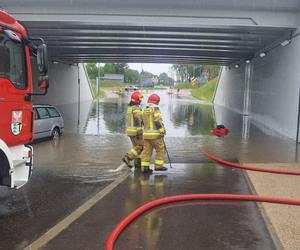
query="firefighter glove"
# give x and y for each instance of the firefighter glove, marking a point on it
(162, 131)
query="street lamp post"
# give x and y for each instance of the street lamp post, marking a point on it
(98, 85)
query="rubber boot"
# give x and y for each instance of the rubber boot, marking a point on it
(137, 163)
(147, 170)
(161, 169)
(127, 160)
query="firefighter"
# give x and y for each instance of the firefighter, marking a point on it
(134, 130)
(153, 135)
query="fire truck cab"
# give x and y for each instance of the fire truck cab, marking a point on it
(16, 91)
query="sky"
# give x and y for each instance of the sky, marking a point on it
(153, 68)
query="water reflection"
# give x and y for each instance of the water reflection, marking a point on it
(75, 115)
(252, 142)
(181, 118)
(106, 118)
(152, 223)
(196, 119)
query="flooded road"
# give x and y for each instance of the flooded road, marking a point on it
(69, 171)
(185, 117)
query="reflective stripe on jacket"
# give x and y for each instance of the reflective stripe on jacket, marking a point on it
(153, 126)
(134, 121)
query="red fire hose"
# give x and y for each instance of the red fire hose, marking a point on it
(192, 197)
(236, 165)
(189, 197)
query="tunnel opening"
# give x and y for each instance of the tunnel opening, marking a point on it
(256, 97)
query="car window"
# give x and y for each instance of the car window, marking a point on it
(36, 115)
(53, 112)
(43, 113)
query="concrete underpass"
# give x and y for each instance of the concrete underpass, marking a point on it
(257, 98)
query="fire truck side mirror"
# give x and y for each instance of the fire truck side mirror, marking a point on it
(44, 82)
(42, 59)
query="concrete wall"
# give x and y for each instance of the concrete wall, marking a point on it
(230, 92)
(274, 89)
(64, 88)
(64, 94)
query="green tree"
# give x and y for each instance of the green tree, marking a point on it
(145, 75)
(164, 78)
(187, 72)
(181, 70)
(109, 68)
(121, 68)
(213, 71)
(132, 76)
(92, 70)
(194, 70)
(115, 68)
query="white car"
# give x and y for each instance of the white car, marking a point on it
(131, 88)
(48, 122)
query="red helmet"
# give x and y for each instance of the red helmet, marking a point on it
(154, 98)
(136, 97)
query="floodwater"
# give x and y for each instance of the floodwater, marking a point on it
(185, 117)
(70, 170)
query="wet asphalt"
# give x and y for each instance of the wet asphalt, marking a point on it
(71, 170)
(192, 225)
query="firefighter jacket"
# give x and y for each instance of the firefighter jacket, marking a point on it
(153, 125)
(134, 121)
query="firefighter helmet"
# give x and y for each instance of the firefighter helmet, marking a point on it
(154, 98)
(136, 97)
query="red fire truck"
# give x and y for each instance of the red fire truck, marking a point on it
(16, 91)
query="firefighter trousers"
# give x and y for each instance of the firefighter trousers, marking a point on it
(137, 146)
(159, 147)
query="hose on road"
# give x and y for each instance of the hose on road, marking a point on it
(192, 197)
(189, 197)
(247, 167)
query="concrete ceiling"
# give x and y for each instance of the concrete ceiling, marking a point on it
(96, 6)
(158, 31)
(82, 42)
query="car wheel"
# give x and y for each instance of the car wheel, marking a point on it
(55, 133)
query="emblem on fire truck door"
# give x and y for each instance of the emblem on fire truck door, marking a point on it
(16, 122)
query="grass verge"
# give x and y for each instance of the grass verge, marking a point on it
(205, 92)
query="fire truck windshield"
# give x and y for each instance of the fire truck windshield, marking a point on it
(12, 63)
